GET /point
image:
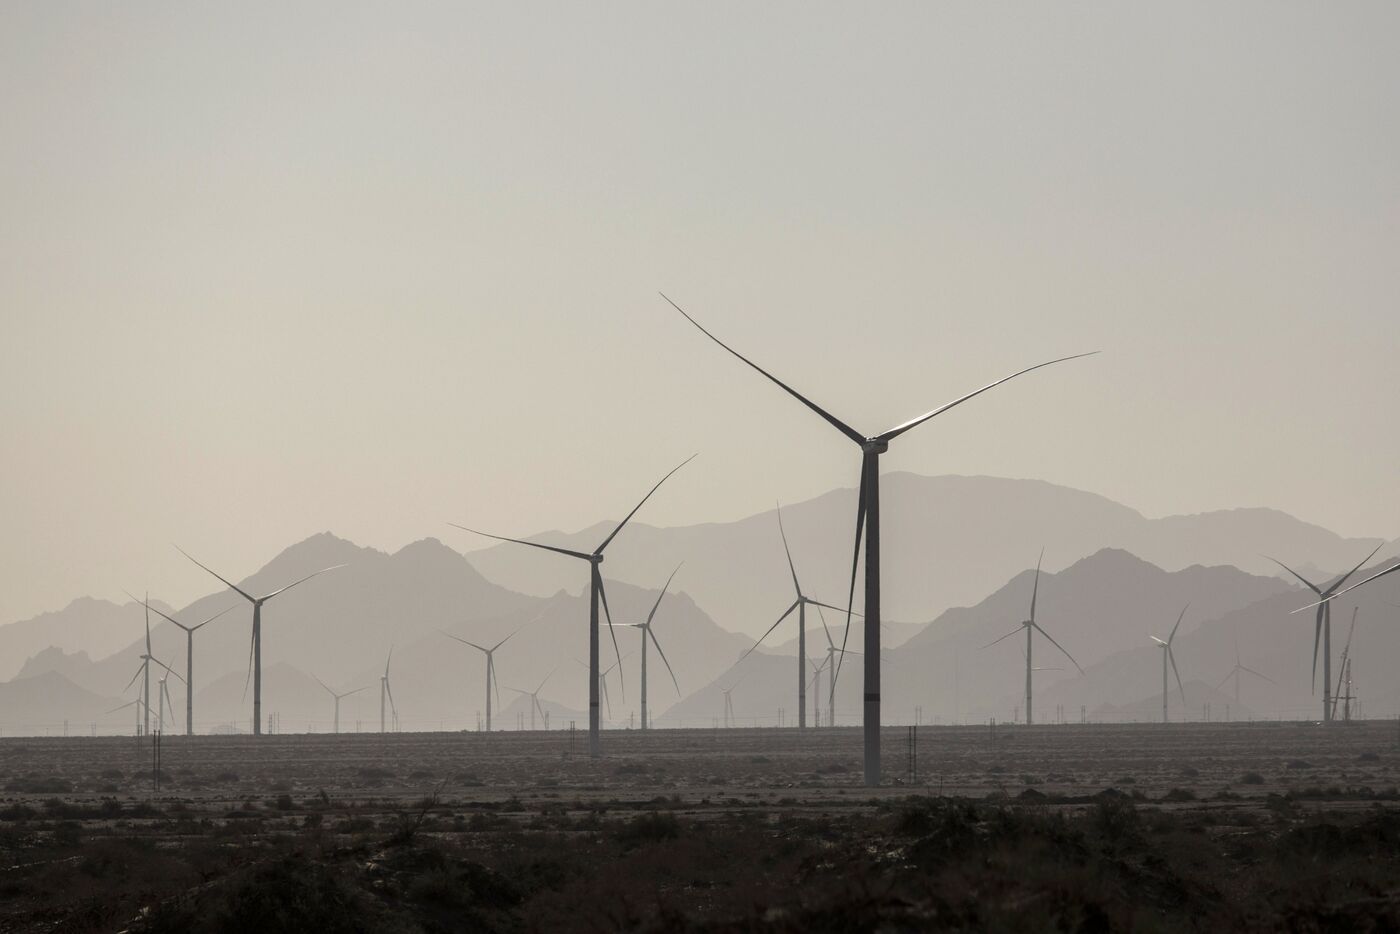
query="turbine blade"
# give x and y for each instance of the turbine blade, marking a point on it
(664, 588)
(1156, 640)
(1058, 646)
(134, 677)
(1227, 677)
(1035, 588)
(1258, 674)
(546, 678)
(1349, 589)
(825, 628)
(506, 639)
(1178, 623)
(167, 668)
(248, 678)
(323, 684)
(865, 481)
(788, 551)
(1343, 579)
(356, 691)
(1306, 583)
(388, 660)
(835, 422)
(1172, 656)
(232, 586)
(660, 651)
(205, 622)
(914, 422)
(302, 581)
(1317, 638)
(609, 539)
(449, 635)
(521, 541)
(1014, 632)
(389, 689)
(786, 614)
(603, 593)
(839, 609)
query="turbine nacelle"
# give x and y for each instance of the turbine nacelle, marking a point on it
(875, 446)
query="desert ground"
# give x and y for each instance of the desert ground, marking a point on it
(1248, 826)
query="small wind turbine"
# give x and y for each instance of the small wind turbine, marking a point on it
(165, 703)
(255, 649)
(1031, 627)
(338, 698)
(867, 522)
(138, 704)
(1344, 674)
(535, 700)
(144, 672)
(1239, 669)
(387, 692)
(647, 632)
(603, 681)
(1323, 626)
(595, 592)
(833, 667)
(729, 719)
(189, 660)
(490, 668)
(800, 605)
(1167, 656)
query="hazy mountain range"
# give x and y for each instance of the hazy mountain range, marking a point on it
(77, 663)
(947, 541)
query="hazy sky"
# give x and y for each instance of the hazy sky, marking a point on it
(267, 270)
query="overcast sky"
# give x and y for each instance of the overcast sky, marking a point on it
(272, 269)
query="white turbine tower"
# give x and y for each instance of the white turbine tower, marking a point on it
(255, 649)
(1031, 627)
(189, 659)
(490, 668)
(1169, 656)
(338, 699)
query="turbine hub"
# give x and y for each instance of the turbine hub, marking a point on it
(875, 445)
(596, 558)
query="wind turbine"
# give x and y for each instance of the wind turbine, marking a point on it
(800, 605)
(648, 632)
(255, 650)
(385, 691)
(729, 719)
(1167, 655)
(816, 685)
(833, 652)
(867, 521)
(603, 681)
(490, 668)
(189, 660)
(138, 704)
(1323, 625)
(1241, 668)
(164, 700)
(145, 672)
(337, 699)
(595, 591)
(1344, 673)
(535, 699)
(1031, 627)
(1351, 588)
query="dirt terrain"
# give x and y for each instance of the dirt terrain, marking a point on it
(1074, 827)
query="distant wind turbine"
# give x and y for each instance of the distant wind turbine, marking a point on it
(1344, 671)
(832, 666)
(729, 719)
(1323, 625)
(603, 680)
(1239, 669)
(338, 698)
(1169, 656)
(255, 649)
(490, 668)
(189, 659)
(144, 672)
(387, 692)
(535, 699)
(800, 605)
(1031, 627)
(648, 632)
(595, 592)
(867, 522)
(139, 705)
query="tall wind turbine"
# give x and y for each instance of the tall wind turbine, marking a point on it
(490, 668)
(535, 699)
(189, 659)
(1323, 625)
(1239, 669)
(255, 650)
(1167, 656)
(595, 592)
(1031, 627)
(387, 692)
(649, 633)
(800, 605)
(337, 700)
(868, 522)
